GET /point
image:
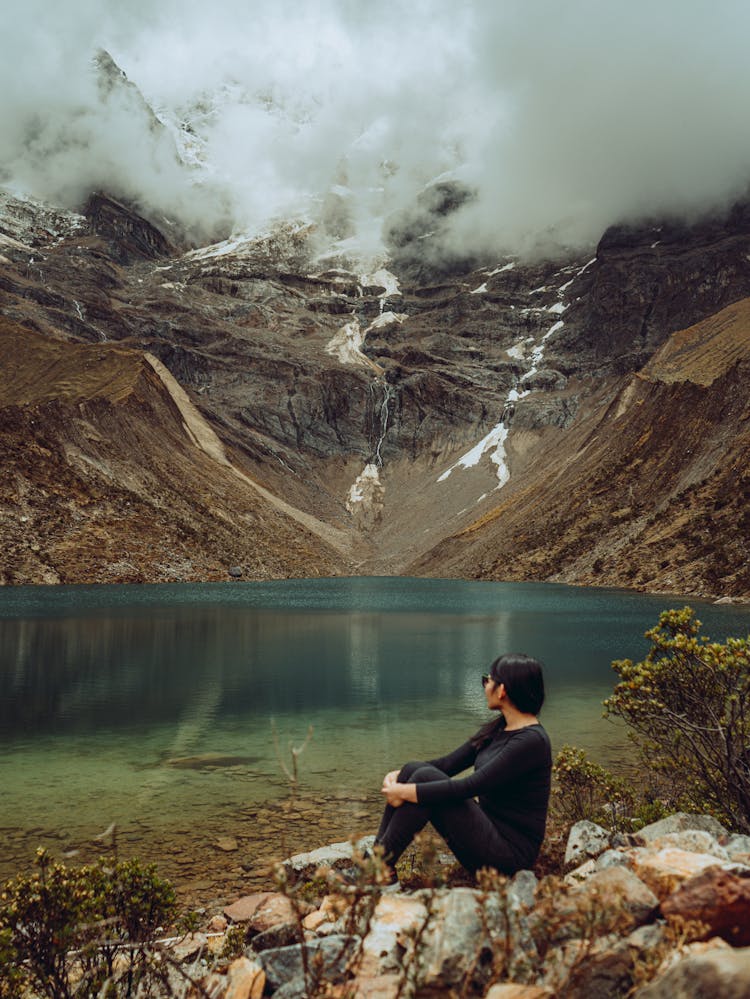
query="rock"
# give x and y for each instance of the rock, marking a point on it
(466, 934)
(226, 843)
(265, 909)
(335, 855)
(329, 956)
(665, 870)
(612, 858)
(187, 948)
(246, 980)
(722, 973)
(217, 924)
(738, 848)
(617, 888)
(611, 900)
(521, 890)
(586, 839)
(242, 909)
(378, 987)
(280, 935)
(295, 988)
(718, 898)
(393, 923)
(512, 990)
(692, 840)
(581, 873)
(678, 822)
(236, 571)
(601, 975)
(315, 920)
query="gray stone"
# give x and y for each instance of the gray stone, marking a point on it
(337, 856)
(601, 976)
(612, 858)
(235, 572)
(679, 822)
(281, 935)
(293, 989)
(722, 972)
(738, 848)
(619, 887)
(586, 839)
(329, 956)
(464, 932)
(521, 889)
(692, 840)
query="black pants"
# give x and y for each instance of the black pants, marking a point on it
(469, 832)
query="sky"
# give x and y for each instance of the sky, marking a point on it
(563, 118)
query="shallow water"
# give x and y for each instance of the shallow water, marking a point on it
(170, 710)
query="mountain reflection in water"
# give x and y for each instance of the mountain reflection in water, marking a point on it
(146, 705)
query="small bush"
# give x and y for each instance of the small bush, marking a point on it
(583, 789)
(687, 705)
(63, 930)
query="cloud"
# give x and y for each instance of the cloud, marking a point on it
(564, 117)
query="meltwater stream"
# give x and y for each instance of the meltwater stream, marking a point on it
(170, 709)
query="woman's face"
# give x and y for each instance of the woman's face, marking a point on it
(493, 692)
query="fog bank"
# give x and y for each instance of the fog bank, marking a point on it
(564, 118)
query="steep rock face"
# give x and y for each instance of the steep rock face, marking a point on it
(111, 477)
(655, 493)
(651, 280)
(398, 409)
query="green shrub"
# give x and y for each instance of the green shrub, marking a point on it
(687, 705)
(62, 929)
(583, 789)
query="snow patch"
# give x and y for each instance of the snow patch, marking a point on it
(482, 288)
(385, 279)
(557, 308)
(367, 489)
(385, 319)
(346, 345)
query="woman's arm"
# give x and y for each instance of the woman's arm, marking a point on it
(526, 751)
(457, 761)
(397, 793)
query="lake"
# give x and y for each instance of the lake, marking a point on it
(170, 710)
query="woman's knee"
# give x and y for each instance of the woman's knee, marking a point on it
(408, 769)
(426, 772)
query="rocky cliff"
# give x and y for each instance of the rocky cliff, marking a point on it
(496, 419)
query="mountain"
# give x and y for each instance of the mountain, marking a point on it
(278, 406)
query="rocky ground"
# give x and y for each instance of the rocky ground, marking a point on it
(271, 407)
(663, 913)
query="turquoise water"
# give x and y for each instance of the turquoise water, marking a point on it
(146, 705)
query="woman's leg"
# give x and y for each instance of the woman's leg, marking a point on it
(467, 830)
(389, 812)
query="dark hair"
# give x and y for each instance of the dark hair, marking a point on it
(524, 685)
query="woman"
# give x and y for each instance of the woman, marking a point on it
(504, 827)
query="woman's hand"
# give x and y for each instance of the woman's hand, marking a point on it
(396, 793)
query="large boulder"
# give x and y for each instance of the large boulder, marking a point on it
(665, 870)
(718, 898)
(679, 822)
(586, 839)
(719, 972)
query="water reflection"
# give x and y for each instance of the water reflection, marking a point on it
(100, 687)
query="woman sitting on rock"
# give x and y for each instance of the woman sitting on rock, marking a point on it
(504, 827)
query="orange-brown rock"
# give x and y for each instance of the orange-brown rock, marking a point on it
(664, 871)
(719, 899)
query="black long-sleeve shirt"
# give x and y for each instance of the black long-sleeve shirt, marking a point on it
(511, 780)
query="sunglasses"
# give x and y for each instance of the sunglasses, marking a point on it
(485, 679)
